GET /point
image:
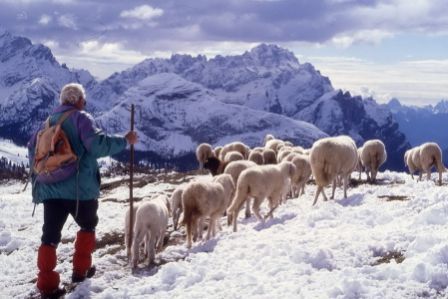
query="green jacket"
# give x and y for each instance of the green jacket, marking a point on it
(89, 143)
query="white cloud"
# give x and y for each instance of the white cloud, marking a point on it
(144, 12)
(45, 20)
(67, 21)
(416, 82)
(374, 37)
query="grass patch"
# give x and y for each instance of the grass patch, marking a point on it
(386, 257)
(394, 197)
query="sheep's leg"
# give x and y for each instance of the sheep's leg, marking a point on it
(247, 214)
(256, 209)
(333, 189)
(440, 178)
(368, 176)
(139, 235)
(151, 248)
(428, 174)
(191, 229)
(420, 175)
(200, 228)
(211, 224)
(318, 191)
(345, 185)
(303, 188)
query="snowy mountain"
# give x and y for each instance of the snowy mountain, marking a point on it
(422, 124)
(175, 115)
(238, 91)
(271, 79)
(30, 81)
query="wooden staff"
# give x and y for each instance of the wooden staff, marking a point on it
(131, 185)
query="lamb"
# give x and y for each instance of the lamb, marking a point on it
(203, 152)
(257, 157)
(269, 156)
(260, 182)
(235, 146)
(330, 157)
(373, 155)
(176, 204)
(233, 156)
(423, 158)
(215, 165)
(303, 166)
(204, 199)
(283, 153)
(151, 221)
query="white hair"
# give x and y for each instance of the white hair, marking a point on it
(71, 93)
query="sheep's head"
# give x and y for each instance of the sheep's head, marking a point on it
(212, 164)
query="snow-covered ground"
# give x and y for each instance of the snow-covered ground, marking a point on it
(13, 153)
(383, 241)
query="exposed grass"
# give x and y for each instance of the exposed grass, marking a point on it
(387, 257)
(394, 197)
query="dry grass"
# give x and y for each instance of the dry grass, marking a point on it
(387, 257)
(394, 197)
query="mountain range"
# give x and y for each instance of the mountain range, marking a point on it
(185, 100)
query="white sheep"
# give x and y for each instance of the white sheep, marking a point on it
(200, 200)
(203, 152)
(269, 156)
(151, 221)
(274, 144)
(234, 169)
(126, 228)
(283, 152)
(217, 151)
(373, 155)
(176, 205)
(303, 168)
(260, 182)
(330, 157)
(256, 156)
(235, 146)
(233, 156)
(268, 137)
(423, 158)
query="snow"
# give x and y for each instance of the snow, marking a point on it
(331, 250)
(13, 153)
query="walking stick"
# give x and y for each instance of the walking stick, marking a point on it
(131, 180)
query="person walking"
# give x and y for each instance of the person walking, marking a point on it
(76, 195)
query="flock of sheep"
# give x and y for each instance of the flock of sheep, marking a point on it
(273, 172)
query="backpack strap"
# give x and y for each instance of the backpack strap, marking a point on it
(65, 116)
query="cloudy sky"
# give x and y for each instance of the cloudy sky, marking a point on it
(384, 48)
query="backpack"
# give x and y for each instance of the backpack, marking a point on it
(54, 159)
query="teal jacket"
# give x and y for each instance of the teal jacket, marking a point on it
(89, 143)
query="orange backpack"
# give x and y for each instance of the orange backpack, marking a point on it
(54, 159)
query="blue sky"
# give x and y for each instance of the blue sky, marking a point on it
(383, 48)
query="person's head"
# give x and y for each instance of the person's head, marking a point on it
(73, 94)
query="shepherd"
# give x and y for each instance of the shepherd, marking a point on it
(71, 187)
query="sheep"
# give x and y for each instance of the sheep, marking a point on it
(203, 152)
(235, 146)
(283, 152)
(268, 137)
(203, 199)
(274, 145)
(303, 168)
(217, 151)
(176, 205)
(373, 155)
(257, 157)
(269, 156)
(330, 157)
(259, 182)
(431, 155)
(151, 221)
(257, 149)
(235, 169)
(233, 156)
(423, 158)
